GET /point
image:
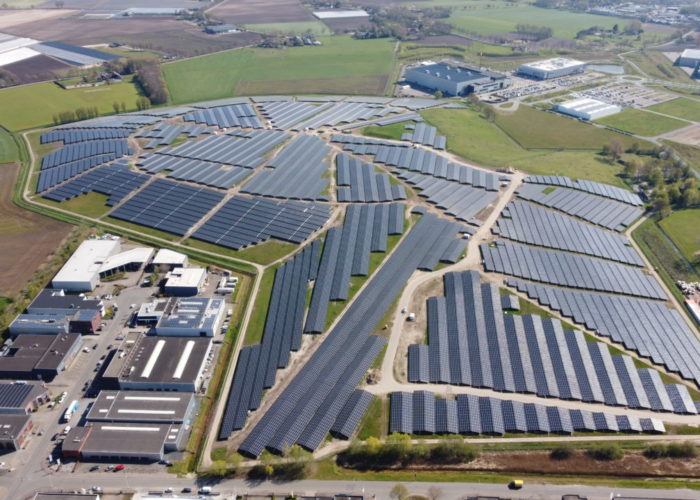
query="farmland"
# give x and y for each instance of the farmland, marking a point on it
(682, 228)
(8, 148)
(315, 27)
(35, 105)
(293, 70)
(681, 108)
(636, 121)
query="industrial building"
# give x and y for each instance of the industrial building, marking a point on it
(55, 301)
(22, 398)
(82, 321)
(167, 260)
(123, 441)
(689, 58)
(180, 317)
(185, 281)
(142, 407)
(587, 109)
(150, 363)
(39, 356)
(455, 80)
(552, 68)
(94, 259)
(14, 431)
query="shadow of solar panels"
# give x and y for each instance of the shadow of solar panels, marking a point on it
(608, 213)
(234, 115)
(201, 172)
(647, 327)
(421, 412)
(115, 180)
(324, 384)
(297, 171)
(78, 135)
(566, 269)
(471, 341)
(597, 188)
(257, 365)
(363, 183)
(243, 221)
(532, 224)
(168, 206)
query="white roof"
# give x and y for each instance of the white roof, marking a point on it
(554, 64)
(340, 14)
(85, 263)
(140, 254)
(186, 277)
(16, 55)
(691, 53)
(165, 256)
(586, 105)
(10, 42)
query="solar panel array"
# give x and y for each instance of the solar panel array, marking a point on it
(359, 182)
(461, 201)
(313, 400)
(648, 327)
(70, 136)
(257, 369)
(351, 414)
(165, 133)
(168, 206)
(528, 223)
(420, 412)
(51, 177)
(597, 188)
(343, 112)
(199, 171)
(244, 150)
(283, 115)
(297, 171)
(127, 121)
(385, 120)
(425, 135)
(115, 180)
(234, 115)
(414, 103)
(603, 212)
(566, 269)
(347, 253)
(472, 342)
(74, 152)
(245, 221)
(13, 395)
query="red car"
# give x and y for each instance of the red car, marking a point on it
(118, 468)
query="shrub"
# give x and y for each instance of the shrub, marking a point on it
(562, 452)
(681, 450)
(607, 452)
(655, 451)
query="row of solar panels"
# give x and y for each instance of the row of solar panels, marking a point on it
(425, 135)
(69, 136)
(241, 222)
(420, 412)
(199, 171)
(127, 121)
(566, 269)
(461, 201)
(168, 206)
(166, 133)
(385, 120)
(472, 342)
(597, 188)
(285, 114)
(527, 223)
(347, 253)
(51, 177)
(234, 115)
(603, 212)
(343, 112)
(257, 365)
(648, 327)
(359, 182)
(75, 152)
(298, 171)
(115, 180)
(306, 410)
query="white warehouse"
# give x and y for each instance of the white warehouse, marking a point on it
(587, 109)
(552, 68)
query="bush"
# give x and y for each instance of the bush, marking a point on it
(562, 453)
(682, 450)
(607, 452)
(655, 451)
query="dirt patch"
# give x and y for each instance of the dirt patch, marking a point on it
(359, 85)
(188, 43)
(13, 18)
(262, 11)
(690, 136)
(26, 238)
(36, 69)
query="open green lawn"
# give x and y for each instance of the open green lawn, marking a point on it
(340, 65)
(683, 227)
(316, 27)
(565, 24)
(8, 148)
(32, 106)
(681, 107)
(90, 204)
(263, 253)
(636, 121)
(690, 154)
(393, 131)
(256, 324)
(656, 65)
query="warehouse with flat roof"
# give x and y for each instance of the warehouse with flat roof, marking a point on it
(183, 317)
(690, 58)
(455, 80)
(143, 407)
(185, 281)
(552, 68)
(39, 356)
(587, 109)
(167, 260)
(56, 301)
(14, 431)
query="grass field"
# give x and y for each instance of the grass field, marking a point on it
(636, 121)
(656, 65)
(500, 20)
(689, 153)
(263, 253)
(683, 227)
(32, 106)
(90, 204)
(338, 66)
(256, 324)
(681, 108)
(8, 148)
(393, 131)
(315, 27)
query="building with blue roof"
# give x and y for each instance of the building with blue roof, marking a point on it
(455, 80)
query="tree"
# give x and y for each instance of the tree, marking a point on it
(656, 177)
(115, 106)
(615, 148)
(219, 468)
(438, 94)
(674, 194)
(633, 27)
(662, 204)
(489, 113)
(399, 492)
(373, 445)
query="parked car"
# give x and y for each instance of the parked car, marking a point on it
(94, 468)
(119, 467)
